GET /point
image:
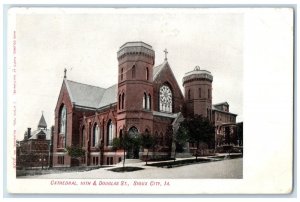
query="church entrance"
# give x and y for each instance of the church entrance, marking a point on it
(133, 153)
(133, 146)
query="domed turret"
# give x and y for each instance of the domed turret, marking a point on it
(197, 74)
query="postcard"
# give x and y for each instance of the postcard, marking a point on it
(149, 100)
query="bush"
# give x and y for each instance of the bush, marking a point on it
(75, 151)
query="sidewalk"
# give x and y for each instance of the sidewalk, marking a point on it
(220, 169)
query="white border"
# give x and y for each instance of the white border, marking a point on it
(238, 187)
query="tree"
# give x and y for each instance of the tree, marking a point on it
(118, 143)
(240, 133)
(100, 147)
(199, 130)
(75, 151)
(181, 137)
(125, 142)
(147, 142)
(169, 136)
(227, 135)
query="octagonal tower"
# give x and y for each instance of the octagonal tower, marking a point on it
(135, 86)
(198, 92)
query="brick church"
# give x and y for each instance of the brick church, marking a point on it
(146, 99)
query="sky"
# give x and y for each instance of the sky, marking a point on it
(86, 43)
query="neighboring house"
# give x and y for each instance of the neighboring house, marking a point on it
(146, 99)
(34, 150)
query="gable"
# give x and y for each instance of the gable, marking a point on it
(63, 98)
(157, 69)
(163, 74)
(36, 133)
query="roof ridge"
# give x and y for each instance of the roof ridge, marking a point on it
(111, 86)
(85, 84)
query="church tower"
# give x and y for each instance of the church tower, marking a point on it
(135, 87)
(198, 92)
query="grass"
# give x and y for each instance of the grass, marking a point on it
(126, 169)
(172, 164)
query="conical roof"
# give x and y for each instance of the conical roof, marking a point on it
(42, 122)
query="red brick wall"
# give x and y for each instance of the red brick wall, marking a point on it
(166, 77)
(63, 99)
(73, 130)
(134, 87)
(196, 104)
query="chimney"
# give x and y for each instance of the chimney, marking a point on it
(28, 132)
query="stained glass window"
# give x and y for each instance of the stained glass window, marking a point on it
(165, 99)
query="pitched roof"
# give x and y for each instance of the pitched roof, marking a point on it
(109, 96)
(83, 94)
(91, 96)
(34, 134)
(222, 103)
(219, 110)
(157, 69)
(42, 122)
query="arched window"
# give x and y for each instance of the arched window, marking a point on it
(121, 134)
(133, 132)
(96, 135)
(63, 121)
(62, 127)
(149, 101)
(123, 100)
(133, 71)
(208, 93)
(145, 101)
(122, 74)
(165, 99)
(120, 101)
(147, 73)
(189, 94)
(110, 132)
(83, 137)
(199, 92)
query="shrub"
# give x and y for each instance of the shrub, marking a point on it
(75, 151)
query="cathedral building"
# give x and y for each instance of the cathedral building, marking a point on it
(146, 99)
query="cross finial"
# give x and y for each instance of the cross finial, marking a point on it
(166, 53)
(65, 73)
(42, 112)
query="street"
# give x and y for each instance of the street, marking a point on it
(225, 169)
